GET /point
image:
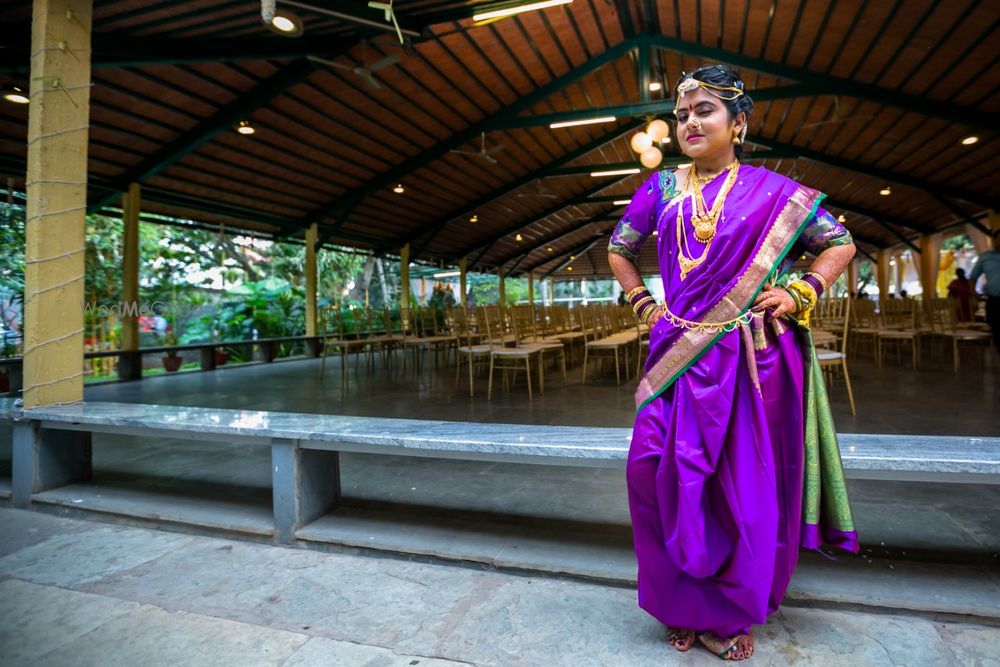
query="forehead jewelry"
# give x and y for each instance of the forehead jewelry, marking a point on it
(727, 93)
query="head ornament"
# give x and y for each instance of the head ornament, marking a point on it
(727, 93)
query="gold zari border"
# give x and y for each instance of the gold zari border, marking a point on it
(692, 343)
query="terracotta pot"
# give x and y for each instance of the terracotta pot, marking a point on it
(221, 357)
(4, 382)
(171, 364)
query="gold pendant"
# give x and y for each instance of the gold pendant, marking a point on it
(704, 229)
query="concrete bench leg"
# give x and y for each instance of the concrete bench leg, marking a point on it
(46, 459)
(305, 484)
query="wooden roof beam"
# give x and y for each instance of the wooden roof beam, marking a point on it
(340, 207)
(643, 109)
(834, 85)
(437, 226)
(885, 174)
(583, 249)
(222, 120)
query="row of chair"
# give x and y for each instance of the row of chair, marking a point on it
(510, 338)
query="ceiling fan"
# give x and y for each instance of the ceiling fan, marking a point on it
(390, 16)
(366, 73)
(483, 152)
(838, 116)
(540, 192)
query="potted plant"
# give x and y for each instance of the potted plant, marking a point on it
(171, 360)
(221, 356)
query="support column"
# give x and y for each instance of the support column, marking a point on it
(57, 202)
(463, 265)
(312, 320)
(930, 261)
(852, 277)
(531, 288)
(552, 291)
(882, 273)
(502, 299)
(897, 274)
(130, 365)
(404, 277)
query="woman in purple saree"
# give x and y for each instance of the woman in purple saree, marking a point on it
(734, 462)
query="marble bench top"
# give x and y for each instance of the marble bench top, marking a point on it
(579, 444)
(8, 409)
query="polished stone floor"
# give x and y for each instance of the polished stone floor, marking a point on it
(932, 400)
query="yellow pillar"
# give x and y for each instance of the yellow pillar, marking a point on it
(502, 300)
(404, 277)
(882, 274)
(131, 205)
(462, 267)
(930, 264)
(312, 235)
(531, 288)
(57, 201)
(994, 221)
(852, 277)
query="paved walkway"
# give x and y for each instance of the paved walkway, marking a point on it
(84, 593)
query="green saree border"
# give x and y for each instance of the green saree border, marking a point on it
(710, 344)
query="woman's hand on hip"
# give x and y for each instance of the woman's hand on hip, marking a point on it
(777, 299)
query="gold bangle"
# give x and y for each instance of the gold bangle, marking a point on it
(821, 279)
(638, 305)
(635, 290)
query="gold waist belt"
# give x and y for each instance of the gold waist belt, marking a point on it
(708, 327)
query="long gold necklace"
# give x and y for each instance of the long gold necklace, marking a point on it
(703, 220)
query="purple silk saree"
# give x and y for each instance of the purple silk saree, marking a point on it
(730, 468)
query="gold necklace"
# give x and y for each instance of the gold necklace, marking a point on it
(704, 222)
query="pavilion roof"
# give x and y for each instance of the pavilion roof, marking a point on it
(851, 97)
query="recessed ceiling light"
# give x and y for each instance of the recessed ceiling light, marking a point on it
(968, 141)
(572, 257)
(14, 93)
(622, 202)
(655, 232)
(655, 86)
(530, 7)
(615, 172)
(886, 191)
(474, 218)
(586, 121)
(399, 189)
(569, 268)
(245, 127)
(286, 23)
(518, 238)
(550, 249)
(841, 218)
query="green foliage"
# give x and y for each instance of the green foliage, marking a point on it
(11, 277)
(959, 242)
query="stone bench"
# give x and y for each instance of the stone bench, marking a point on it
(52, 450)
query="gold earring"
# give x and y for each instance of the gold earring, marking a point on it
(736, 137)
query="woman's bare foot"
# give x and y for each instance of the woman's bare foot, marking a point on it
(680, 639)
(738, 647)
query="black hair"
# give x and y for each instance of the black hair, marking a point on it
(724, 75)
(960, 274)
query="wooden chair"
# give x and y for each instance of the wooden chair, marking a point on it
(827, 322)
(523, 318)
(509, 358)
(944, 321)
(469, 349)
(865, 325)
(335, 336)
(835, 360)
(899, 327)
(610, 343)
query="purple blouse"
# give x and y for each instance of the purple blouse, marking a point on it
(640, 218)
